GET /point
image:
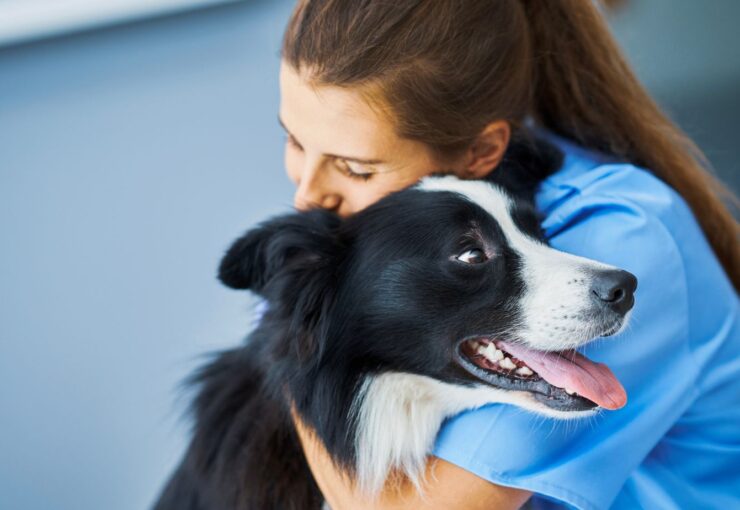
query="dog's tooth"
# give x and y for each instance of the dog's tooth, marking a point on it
(498, 355)
(569, 391)
(507, 364)
(524, 371)
(488, 352)
(481, 349)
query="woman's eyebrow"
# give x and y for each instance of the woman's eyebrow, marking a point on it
(346, 158)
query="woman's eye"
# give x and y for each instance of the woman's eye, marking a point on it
(354, 172)
(474, 256)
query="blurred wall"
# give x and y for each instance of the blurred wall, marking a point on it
(129, 159)
(688, 55)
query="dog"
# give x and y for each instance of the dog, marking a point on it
(437, 298)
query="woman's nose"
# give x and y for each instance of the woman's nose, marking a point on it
(314, 192)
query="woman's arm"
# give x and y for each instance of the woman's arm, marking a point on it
(446, 485)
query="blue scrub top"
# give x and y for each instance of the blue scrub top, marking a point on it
(676, 444)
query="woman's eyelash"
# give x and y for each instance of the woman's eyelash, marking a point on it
(347, 170)
(343, 166)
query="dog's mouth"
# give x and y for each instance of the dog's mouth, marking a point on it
(564, 380)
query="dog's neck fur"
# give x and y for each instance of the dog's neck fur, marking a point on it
(400, 415)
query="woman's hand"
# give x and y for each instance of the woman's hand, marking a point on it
(446, 485)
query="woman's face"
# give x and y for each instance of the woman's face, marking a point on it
(340, 153)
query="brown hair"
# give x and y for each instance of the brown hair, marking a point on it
(444, 69)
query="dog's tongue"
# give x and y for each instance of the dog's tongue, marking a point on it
(572, 370)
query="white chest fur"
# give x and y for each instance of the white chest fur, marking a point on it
(398, 416)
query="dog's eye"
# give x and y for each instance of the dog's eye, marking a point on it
(474, 256)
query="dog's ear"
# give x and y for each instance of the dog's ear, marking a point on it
(287, 243)
(527, 162)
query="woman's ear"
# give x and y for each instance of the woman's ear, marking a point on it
(487, 151)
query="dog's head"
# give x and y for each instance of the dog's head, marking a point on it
(448, 279)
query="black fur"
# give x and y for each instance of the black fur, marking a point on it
(346, 298)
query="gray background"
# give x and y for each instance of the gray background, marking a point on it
(129, 158)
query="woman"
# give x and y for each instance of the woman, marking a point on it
(375, 95)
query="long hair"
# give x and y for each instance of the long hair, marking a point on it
(442, 70)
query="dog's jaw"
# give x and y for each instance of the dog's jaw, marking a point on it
(397, 417)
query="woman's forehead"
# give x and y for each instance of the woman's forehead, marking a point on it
(332, 119)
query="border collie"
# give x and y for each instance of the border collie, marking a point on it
(438, 298)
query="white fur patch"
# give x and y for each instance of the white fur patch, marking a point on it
(557, 298)
(398, 416)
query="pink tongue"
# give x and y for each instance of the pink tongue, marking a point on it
(572, 370)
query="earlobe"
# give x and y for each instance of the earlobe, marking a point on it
(488, 149)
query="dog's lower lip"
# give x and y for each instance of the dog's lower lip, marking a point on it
(612, 330)
(549, 395)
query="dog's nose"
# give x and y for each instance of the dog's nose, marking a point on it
(615, 289)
